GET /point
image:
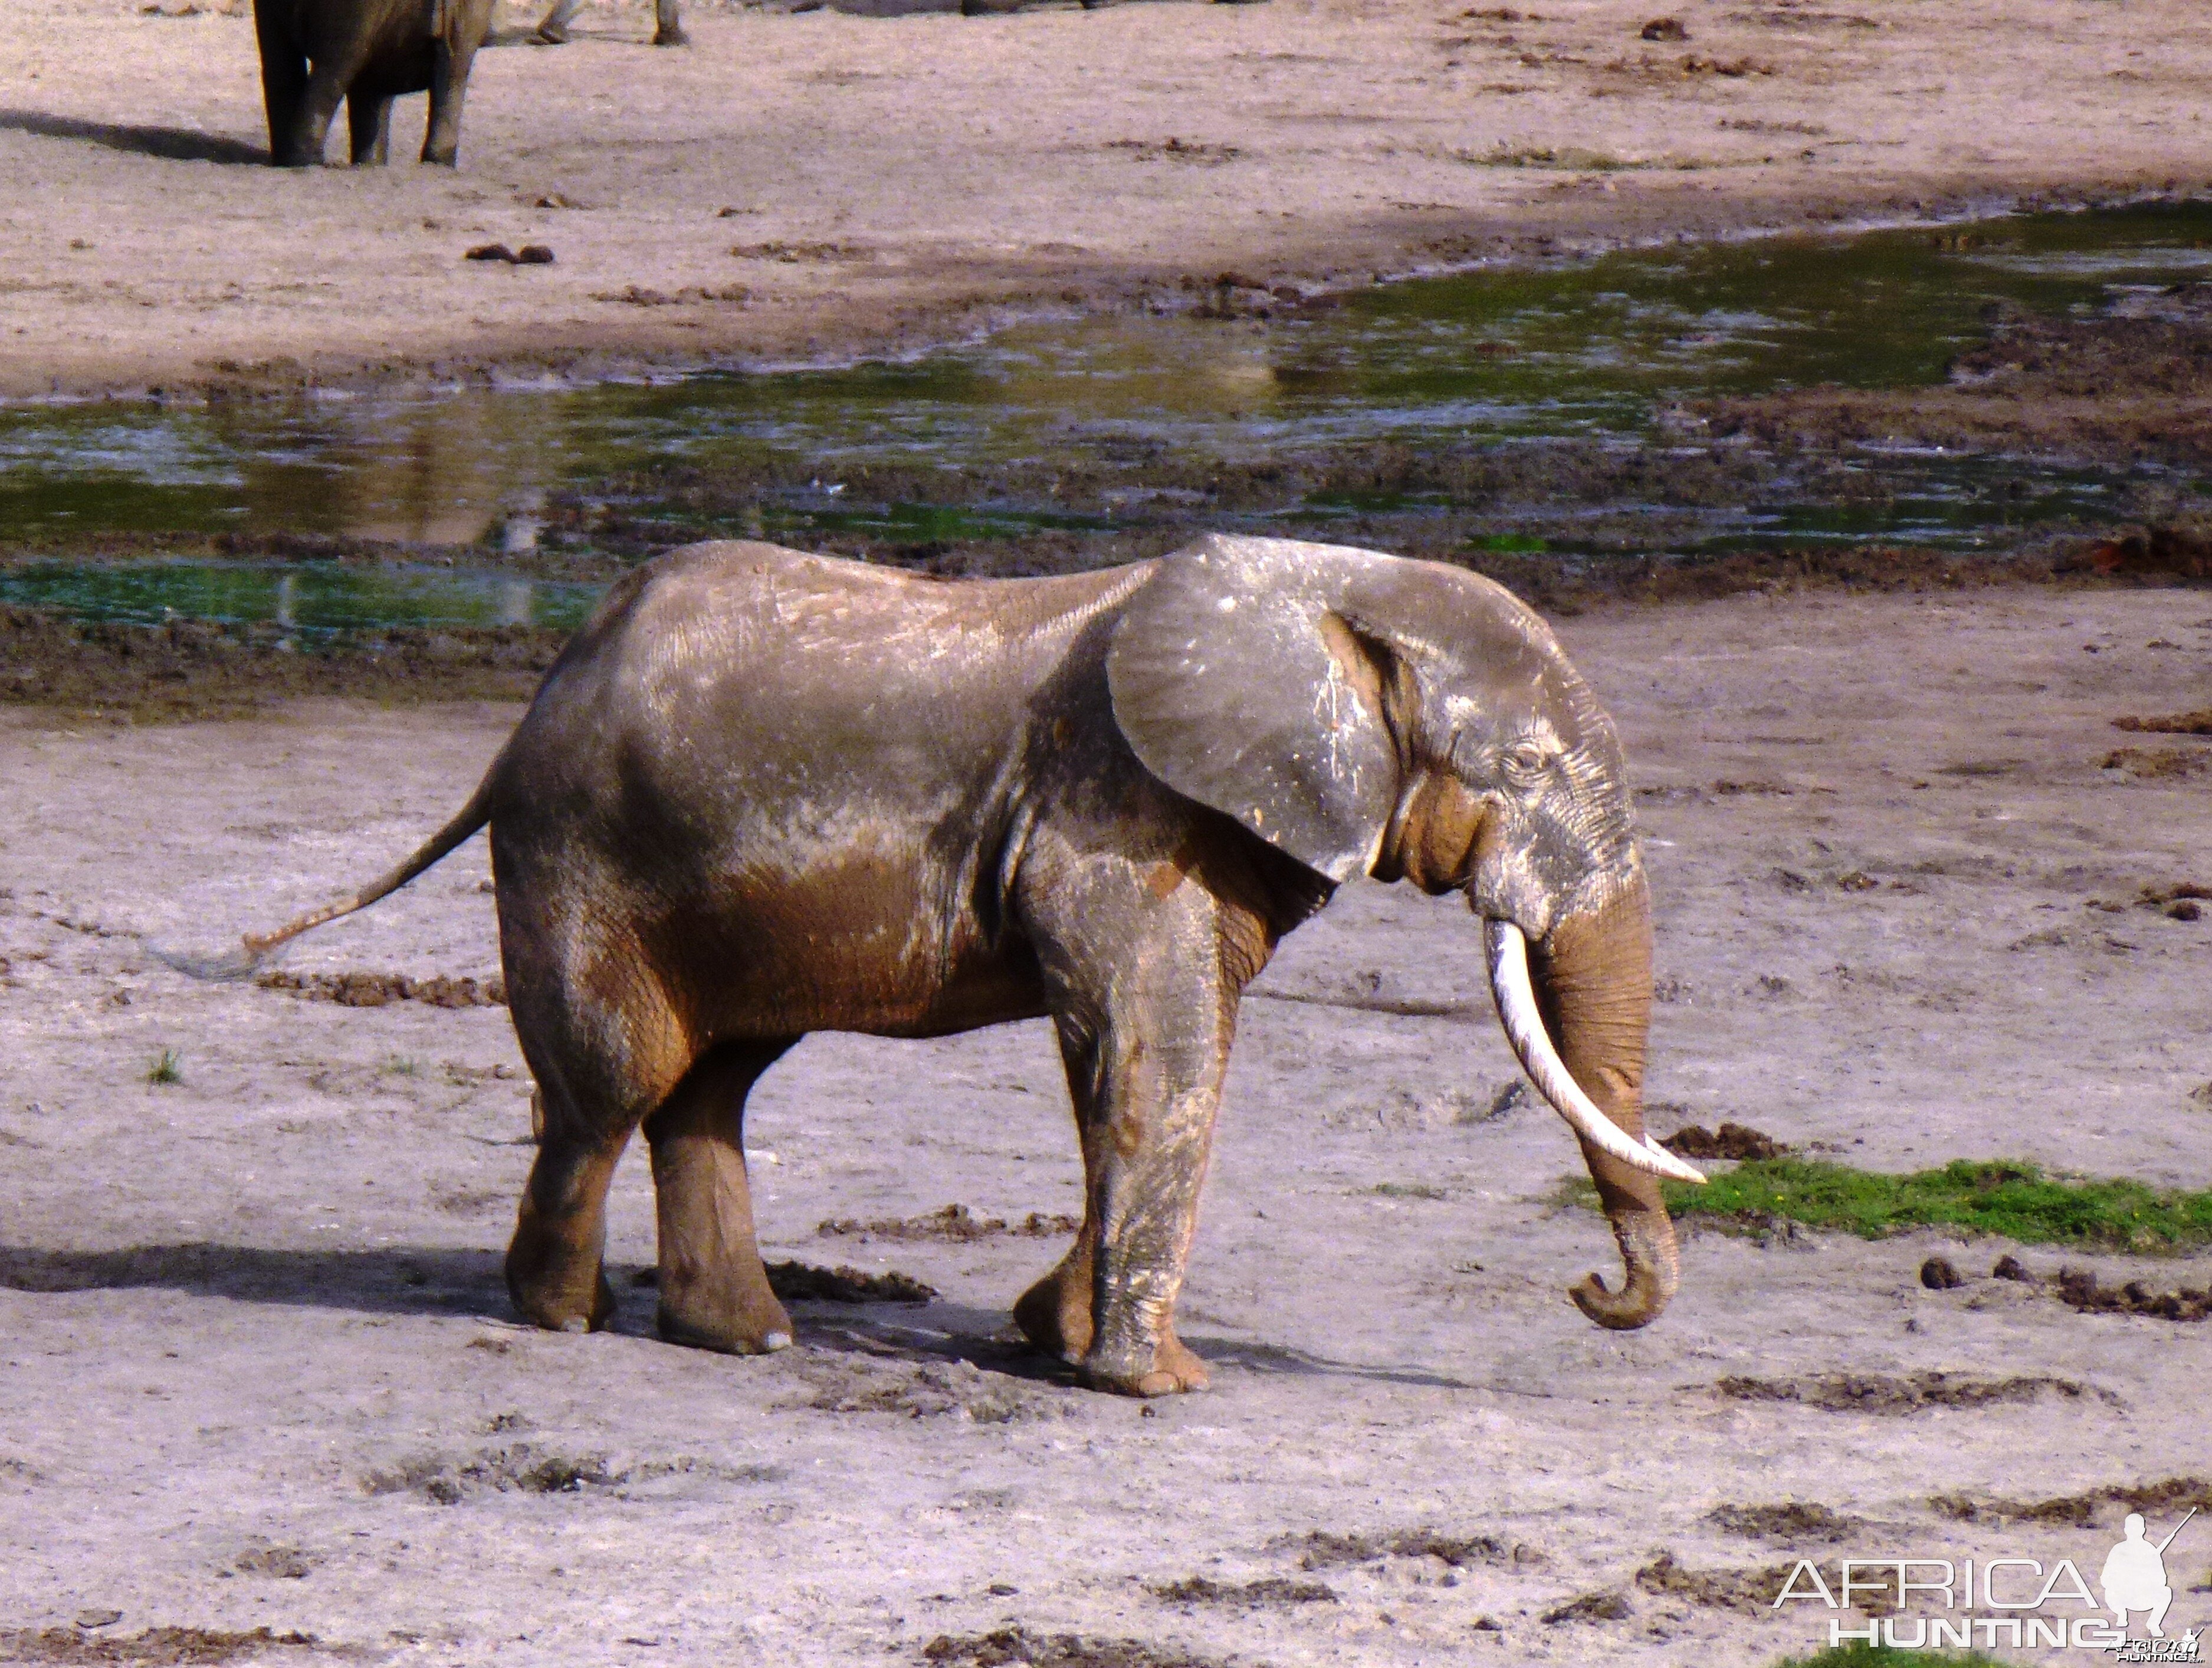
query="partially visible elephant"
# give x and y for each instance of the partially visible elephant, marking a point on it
(763, 793)
(368, 52)
(667, 23)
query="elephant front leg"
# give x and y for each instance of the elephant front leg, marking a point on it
(668, 25)
(284, 81)
(449, 86)
(1146, 1099)
(369, 122)
(714, 1293)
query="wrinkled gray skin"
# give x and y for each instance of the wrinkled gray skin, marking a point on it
(764, 793)
(368, 52)
(667, 25)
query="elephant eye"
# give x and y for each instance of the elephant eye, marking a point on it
(1525, 759)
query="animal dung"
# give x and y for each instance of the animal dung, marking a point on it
(1941, 1274)
(490, 252)
(531, 254)
(1734, 1141)
(1664, 28)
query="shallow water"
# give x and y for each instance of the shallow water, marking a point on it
(1576, 350)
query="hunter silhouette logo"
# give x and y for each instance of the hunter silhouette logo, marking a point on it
(2134, 1577)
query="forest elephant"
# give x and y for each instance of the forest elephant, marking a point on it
(368, 52)
(762, 794)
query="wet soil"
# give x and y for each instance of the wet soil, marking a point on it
(1635, 510)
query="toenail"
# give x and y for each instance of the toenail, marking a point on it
(577, 1325)
(775, 1341)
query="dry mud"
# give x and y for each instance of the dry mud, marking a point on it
(260, 1371)
(806, 184)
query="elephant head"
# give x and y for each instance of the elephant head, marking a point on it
(1409, 721)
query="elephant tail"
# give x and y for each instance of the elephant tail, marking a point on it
(256, 948)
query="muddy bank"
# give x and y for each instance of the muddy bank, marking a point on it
(2131, 386)
(194, 668)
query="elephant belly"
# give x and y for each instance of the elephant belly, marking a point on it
(868, 939)
(404, 69)
(400, 53)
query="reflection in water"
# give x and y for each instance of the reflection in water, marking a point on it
(1591, 347)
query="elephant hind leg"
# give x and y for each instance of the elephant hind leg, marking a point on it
(714, 1292)
(603, 1060)
(368, 122)
(555, 1270)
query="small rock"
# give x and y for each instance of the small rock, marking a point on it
(1665, 28)
(2011, 1268)
(490, 252)
(534, 254)
(1939, 1274)
(2186, 909)
(89, 1619)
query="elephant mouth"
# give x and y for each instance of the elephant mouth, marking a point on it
(1515, 992)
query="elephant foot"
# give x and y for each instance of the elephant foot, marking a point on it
(554, 1282)
(550, 34)
(671, 38)
(1055, 1314)
(728, 1317)
(1172, 1370)
(561, 1305)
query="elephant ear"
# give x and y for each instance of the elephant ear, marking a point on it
(1241, 682)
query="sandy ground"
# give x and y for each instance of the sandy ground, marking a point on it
(800, 186)
(258, 1370)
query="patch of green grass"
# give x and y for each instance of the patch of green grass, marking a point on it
(2014, 1200)
(1860, 1655)
(169, 1069)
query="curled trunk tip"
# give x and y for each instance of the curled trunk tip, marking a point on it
(1653, 1274)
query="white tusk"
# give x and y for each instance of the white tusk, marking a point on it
(1515, 997)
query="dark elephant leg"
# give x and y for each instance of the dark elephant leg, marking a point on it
(284, 79)
(714, 1292)
(368, 120)
(449, 86)
(554, 31)
(667, 26)
(554, 1263)
(1145, 998)
(317, 107)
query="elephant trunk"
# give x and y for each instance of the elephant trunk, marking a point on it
(1591, 980)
